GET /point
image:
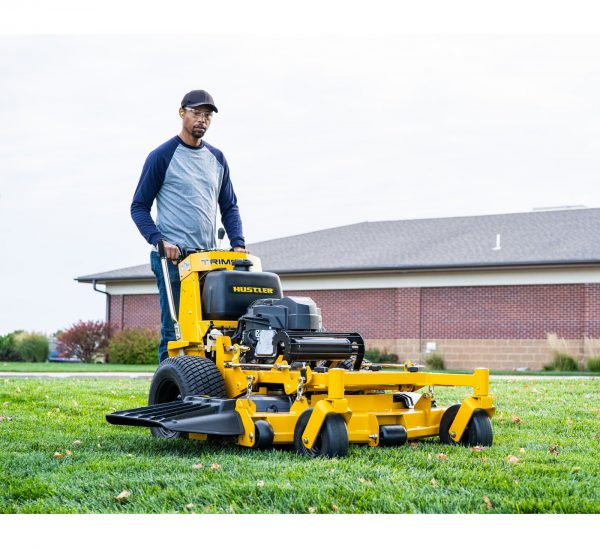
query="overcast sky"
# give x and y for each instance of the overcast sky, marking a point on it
(318, 132)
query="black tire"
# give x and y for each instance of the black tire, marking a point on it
(182, 376)
(264, 435)
(477, 432)
(332, 440)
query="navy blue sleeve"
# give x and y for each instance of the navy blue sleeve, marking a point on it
(230, 214)
(151, 179)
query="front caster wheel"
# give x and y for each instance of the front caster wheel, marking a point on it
(332, 440)
(477, 432)
(264, 435)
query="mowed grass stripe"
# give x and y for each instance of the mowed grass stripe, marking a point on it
(551, 427)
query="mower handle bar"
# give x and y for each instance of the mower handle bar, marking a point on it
(183, 251)
(167, 279)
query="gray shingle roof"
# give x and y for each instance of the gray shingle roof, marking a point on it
(570, 236)
(139, 272)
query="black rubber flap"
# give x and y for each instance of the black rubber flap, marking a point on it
(194, 414)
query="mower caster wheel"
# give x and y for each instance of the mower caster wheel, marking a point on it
(332, 440)
(477, 432)
(263, 435)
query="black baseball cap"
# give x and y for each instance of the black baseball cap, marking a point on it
(197, 98)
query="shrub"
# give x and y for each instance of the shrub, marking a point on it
(562, 362)
(134, 346)
(380, 356)
(8, 352)
(435, 360)
(593, 363)
(84, 339)
(31, 347)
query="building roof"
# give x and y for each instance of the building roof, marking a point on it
(554, 237)
(131, 273)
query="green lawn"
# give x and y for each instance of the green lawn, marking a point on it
(550, 426)
(73, 367)
(537, 373)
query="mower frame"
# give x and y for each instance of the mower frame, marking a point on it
(369, 400)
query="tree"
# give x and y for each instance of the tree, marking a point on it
(8, 351)
(84, 339)
(32, 347)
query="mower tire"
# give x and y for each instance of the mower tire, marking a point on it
(264, 435)
(477, 432)
(332, 440)
(182, 376)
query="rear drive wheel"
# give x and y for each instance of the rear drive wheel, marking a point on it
(477, 432)
(182, 376)
(332, 440)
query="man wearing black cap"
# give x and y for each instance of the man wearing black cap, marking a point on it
(190, 181)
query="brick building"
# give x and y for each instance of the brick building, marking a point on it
(499, 291)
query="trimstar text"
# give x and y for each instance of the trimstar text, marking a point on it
(247, 289)
(217, 261)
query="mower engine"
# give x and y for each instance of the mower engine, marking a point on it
(292, 327)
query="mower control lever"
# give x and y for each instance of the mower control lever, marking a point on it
(162, 251)
(167, 278)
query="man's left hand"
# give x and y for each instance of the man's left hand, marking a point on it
(240, 249)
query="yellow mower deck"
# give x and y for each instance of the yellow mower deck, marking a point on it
(283, 403)
(366, 402)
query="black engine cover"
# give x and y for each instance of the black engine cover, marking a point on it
(295, 313)
(291, 327)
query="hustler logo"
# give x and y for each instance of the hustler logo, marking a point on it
(248, 289)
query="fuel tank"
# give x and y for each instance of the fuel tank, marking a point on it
(226, 294)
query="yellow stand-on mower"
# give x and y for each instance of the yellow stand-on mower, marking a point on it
(253, 365)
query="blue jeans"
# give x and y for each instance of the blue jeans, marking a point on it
(167, 331)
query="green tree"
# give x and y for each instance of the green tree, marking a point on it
(32, 347)
(8, 351)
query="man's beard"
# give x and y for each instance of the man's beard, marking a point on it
(198, 132)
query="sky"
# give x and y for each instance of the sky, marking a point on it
(319, 130)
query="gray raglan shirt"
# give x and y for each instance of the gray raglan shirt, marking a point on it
(189, 184)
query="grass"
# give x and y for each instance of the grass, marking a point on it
(549, 425)
(537, 373)
(57, 367)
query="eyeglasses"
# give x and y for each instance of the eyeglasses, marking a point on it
(201, 114)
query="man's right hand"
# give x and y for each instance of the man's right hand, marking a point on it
(171, 251)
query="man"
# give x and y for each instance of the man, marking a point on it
(188, 178)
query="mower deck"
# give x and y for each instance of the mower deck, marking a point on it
(374, 409)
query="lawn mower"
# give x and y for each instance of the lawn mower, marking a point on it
(253, 365)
